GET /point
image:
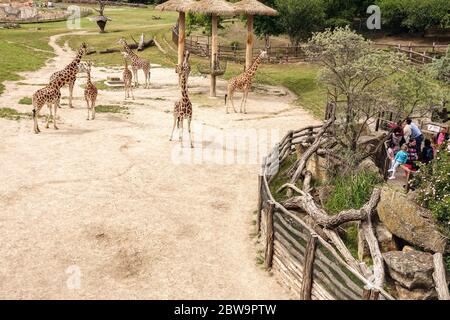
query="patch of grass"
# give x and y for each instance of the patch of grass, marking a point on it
(350, 239)
(111, 109)
(13, 114)
(26, 100)
(351, 191)
(100, 85)
(281, 178)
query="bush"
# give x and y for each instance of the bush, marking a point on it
(351, 191)
(432, 182)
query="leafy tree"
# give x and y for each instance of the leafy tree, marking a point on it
(356, 76)
(266, 26)
(300, 18)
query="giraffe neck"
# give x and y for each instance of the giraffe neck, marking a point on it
(184, 93)
(126, 64)
(251, 71)
(78, 57)
(89, 77)
(131, 54)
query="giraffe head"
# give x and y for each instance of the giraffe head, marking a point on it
(263, 54)
(122, 41)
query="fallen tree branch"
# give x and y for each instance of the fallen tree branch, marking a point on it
(439, 277)
(310, 151)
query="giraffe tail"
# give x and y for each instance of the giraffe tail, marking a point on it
(226, 95)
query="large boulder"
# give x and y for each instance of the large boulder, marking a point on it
(408, 221)
(412, 273)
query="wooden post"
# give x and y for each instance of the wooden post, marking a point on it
(439, 277)
(260, 201)
(269, 236)
(249, 47)
(305, 293)
(214, 46)
(181, 36)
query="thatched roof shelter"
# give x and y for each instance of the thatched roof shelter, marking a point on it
(180, 6)
(254, 8)
(214, 7)
(175, 5)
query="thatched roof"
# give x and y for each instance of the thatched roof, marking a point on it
(175, 5)
(254, 7)
(219, 7)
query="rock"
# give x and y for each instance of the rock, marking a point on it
(368, 165)
(385, 238)
(408, 249)
(412, 270)
(408, 221)
(416, 294)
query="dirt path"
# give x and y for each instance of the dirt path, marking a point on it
(114, 199)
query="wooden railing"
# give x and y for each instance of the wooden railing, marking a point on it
(303, 260)
(419, 54)
(200, 45)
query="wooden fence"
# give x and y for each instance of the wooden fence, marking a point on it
(302, 259)
(419, 54)
(200, 45)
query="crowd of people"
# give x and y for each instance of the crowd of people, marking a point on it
(407, 147)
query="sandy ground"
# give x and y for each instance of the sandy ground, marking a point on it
(114, 202)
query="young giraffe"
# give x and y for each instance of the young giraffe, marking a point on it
(51, 96)
(69, 74)
(184, 67)
(127, 78)
(137, 63)
(243, 82)
(182, 110)
(90, 93)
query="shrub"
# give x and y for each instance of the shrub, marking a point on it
(351, 191)
(432, 182)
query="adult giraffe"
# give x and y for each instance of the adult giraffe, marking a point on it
(68, 75)
(243, 82)
(137, 63)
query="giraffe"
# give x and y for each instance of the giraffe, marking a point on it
(243, 82)
(51, 96)
(90, 93)
(127, 78)
(184, 67)
(182, 110)
(137, 63)
(69, 74)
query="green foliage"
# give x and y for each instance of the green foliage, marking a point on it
(433, 185)
(111, 109)
(414, 15)
(13, 114)
(266, 25)
(351, 191)
(440, 68)
(200, 20)
(300, 18)
(26, 100)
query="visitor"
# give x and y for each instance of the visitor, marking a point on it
(391, 151)
(397, 136)
(406, 131)
(400, 159)
(416, 134)
(412, 155)
(427, 152)
(442, 136)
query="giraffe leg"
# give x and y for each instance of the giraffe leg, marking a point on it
(242, 101)
(135, 76)
(190, 132)
(93, 108)
(50, 106)
(130, 88)
(173, 128)
(231, 100)
(245, 101)
(35, 123)
(88, 108)
(56, 105)
(180, 131)
(71, 84)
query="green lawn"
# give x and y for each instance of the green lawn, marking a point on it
(26, 49)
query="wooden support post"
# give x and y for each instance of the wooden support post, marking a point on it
(214, 47)
(307, 282)
(269, 236)
(181, 36)
(249, 47)
(439, 277)
(366, 293)
(260, 201)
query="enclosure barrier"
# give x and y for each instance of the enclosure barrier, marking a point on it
(55, 18)
(303, 260)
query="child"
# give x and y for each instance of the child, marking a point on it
(427, 152)
(399, 159)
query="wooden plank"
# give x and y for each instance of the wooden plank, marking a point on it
(439, 277)
(269, 236)
(307, 282)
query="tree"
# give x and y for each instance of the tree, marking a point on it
(266, 26)
(300, 18)
(363, 81)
